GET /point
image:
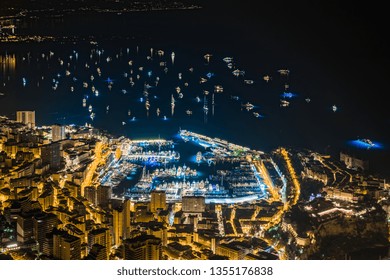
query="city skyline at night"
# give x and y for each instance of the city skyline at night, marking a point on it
(187, 130)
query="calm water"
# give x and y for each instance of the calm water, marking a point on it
(323, 64)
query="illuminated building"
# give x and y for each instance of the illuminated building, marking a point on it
(57, 132)
(121, 222)
(46, 199)
(43, 223)
(97, 252)
(66, 246)
(117, 226)
(51, 154)
(103, 196)
(353, 162)
(90, 194)
(48, 244)
(24, 227)
(193, 204)
(100, 237)
(143, 247)
(126, 218)
(157, 201)
(26, 117)
(157, 229)
(234, 250)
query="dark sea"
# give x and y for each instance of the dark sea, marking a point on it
(334, 55)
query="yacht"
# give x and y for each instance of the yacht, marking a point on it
(284, 72)
(197, 99)
(228, 59)
(218, 88)
(248, 82)
(172, 101)
(248, 106)
(235, 97)
(307, 100)
(368, 142)
(207, 57)
(238, 73)
(284, 103)
(205, 106)
(84, 102)
(147, 105)
(129, 113)
(189, 112)
(90, 108)
(334, 108)
(158, 112)
(173, 57)
(198, 157)
(267, 78)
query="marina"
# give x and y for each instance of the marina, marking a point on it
(234, 178)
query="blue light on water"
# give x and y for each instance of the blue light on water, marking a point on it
(288, 95)
(177, 136)
(192, 159)
(209, 75)
(363, 144)
(109, 80)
